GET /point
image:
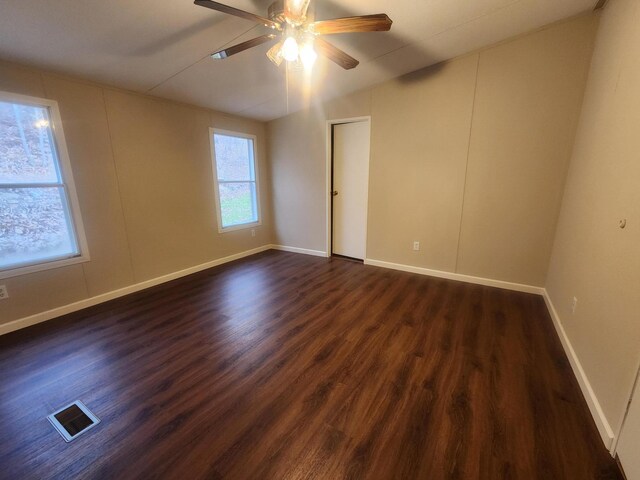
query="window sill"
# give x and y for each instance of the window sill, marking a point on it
(39, 267)
(242, 226)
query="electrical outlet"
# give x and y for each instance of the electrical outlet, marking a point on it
(574, 304)
(416, 246)
(4, 293)
(253, 232)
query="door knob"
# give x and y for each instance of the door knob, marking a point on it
(334, 193)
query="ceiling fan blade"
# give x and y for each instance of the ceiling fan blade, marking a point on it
(295, 11)
(241, 47)
(366, 23)
(334, 54)
(238, 13)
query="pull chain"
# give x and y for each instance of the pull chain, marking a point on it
(287, 84)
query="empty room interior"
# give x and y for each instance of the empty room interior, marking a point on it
(320, 239)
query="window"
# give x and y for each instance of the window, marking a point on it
(39, 216)
(235, 175)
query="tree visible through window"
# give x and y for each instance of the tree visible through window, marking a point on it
(235, 169)
(35, 221)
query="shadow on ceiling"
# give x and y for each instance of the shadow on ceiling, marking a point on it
(207, 22)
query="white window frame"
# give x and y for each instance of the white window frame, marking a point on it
(67, 184)
(243, 226)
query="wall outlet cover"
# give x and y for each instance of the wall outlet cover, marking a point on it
(4, 293)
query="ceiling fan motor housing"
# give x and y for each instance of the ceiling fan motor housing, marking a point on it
(276, 11)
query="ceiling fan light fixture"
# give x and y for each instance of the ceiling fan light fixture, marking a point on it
(290, 49)
(275, 54)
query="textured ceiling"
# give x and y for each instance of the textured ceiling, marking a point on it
(162, 47)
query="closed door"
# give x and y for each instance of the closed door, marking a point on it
(629, 445)
(350, 188)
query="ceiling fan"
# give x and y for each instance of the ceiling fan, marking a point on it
(298, 36)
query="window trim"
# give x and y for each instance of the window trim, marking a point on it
(70, 189)
(242, 226)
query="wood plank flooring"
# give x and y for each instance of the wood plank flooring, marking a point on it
(286, 366)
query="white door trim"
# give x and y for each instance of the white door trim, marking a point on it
(328, 171)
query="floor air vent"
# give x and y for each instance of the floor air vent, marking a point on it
(73, 420)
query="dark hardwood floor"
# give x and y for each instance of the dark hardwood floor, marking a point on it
(286, 366)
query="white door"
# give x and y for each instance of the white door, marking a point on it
(629, 444)
(350, 188)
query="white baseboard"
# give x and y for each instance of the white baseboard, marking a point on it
(592, 401)
(89, 302)
(518, 287)
(305, 251)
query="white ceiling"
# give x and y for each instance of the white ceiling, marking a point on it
(161, 47)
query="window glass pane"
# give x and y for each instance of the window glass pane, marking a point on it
(34, 225)
(234, 158)
(238, 203)
(27, 151)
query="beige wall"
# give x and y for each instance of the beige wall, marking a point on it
(469, 157)
(145, 184)
(593, 259)
(527, 105)
(419, 144)
(298, 143)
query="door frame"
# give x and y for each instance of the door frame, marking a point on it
(329, 180)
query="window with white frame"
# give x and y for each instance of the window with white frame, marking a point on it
(235, 175)
(40, 225)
